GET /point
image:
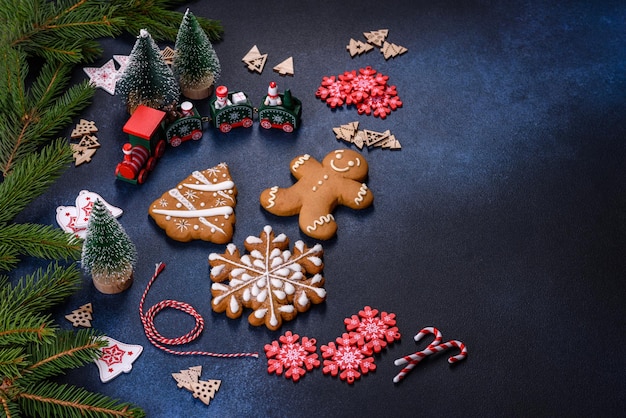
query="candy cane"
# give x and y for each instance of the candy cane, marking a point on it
(424, 331)
(147, 319)
(435, 347)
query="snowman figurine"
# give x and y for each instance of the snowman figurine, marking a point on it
(272, 98)
(222, 97)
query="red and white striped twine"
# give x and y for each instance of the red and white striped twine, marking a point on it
(160, 341)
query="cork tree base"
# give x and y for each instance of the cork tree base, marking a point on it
(112, 288)
(197, 94)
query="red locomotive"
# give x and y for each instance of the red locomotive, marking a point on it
(146, 144)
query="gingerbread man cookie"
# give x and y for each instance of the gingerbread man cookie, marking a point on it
(337, 180)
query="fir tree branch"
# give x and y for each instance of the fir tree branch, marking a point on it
(12, 359)
(159, 20)
(53, 400)
(68, 351)
(31, 176)
(41, 290)
(8, 256)
(34, 118)
(24, 329)
(42, 241)
(10, 409)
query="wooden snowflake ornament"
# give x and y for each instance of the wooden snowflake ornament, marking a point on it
(271, 280)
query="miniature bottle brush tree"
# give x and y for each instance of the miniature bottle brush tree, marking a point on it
(108, 253)
(195, 62)
(147, 80)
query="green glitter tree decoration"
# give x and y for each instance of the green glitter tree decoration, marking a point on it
(195, 62)
(147, 79)
(108, 253)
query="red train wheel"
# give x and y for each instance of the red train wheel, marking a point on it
(197, 134)
(160, 149)
(265, 123)
(151, 163)
(247, 122)
(143, 174)
(288, 127)
(226, 127)
(175, 141)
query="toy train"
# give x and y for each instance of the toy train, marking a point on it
(150, 130)
(232, 110)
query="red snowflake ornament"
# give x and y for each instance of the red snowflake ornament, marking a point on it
(332, 91)
(291, 356)
(347, 359)
(371, 330)
(366, 89)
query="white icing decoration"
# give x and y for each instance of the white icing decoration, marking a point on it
(361, 194)
(260, 313)
(280, 238)
(226, 210)
(272, 199)
(303, 300)
(215, 271)
(219, 286)
(320, 221)
(225, 185)
(234, 305)
(315, 260)
(301, 160)
(286, 308)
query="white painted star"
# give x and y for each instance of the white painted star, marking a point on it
(103, 77)
(122, 60)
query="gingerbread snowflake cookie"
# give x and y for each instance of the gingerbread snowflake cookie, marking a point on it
(271, 280)
(337, 180)
(199, 207)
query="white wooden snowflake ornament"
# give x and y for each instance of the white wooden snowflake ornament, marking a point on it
(117, 358)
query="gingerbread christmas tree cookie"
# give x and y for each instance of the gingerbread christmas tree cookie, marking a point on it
(199, 207)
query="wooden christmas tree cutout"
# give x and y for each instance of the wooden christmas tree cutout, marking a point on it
(168, 55)
(358, 47)
(346, 132)
(201, 389)
(285, 67)
(84, 127)
(255, 60)
(376, 37)
(391, 50)
(82, 155)
(89, 141)
(365, 137)
(205, 390)
(81, 317)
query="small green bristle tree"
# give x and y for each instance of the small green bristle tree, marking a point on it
(108, 253)
(147, 79)
(196, 64)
